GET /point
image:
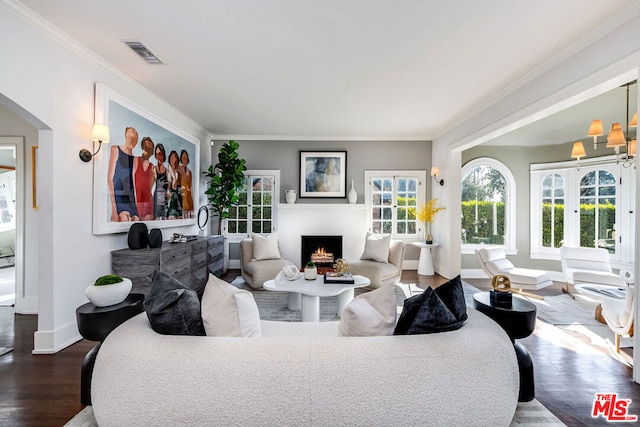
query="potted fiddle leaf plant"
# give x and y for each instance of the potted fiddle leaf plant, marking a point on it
(225, 179)
(108, 290)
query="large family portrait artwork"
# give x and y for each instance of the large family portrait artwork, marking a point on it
(323, 173)
(148, 171)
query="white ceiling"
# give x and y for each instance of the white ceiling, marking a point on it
(382, 69)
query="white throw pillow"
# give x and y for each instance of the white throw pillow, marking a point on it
(228, 311)
(265, 247)
(376, 247)
(370, 314)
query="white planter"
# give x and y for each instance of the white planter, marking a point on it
(310, 273)
(102, 296)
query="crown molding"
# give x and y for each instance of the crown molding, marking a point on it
(225, 137)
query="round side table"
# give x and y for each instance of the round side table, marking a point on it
(94, 324)
(425, 263)
(518, 321)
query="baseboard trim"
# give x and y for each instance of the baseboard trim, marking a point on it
(411, 264)
(472, 273)
(27, 305)
(51, 342)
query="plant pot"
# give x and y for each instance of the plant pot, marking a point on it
(310, 273)
(105, 295)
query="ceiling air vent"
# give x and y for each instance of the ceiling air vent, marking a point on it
(142, 51)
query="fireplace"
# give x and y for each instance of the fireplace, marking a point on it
(322, 250)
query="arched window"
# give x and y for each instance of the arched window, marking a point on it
(598, 210)
(488, 205)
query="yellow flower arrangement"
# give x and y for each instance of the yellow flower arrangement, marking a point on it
(428, 211)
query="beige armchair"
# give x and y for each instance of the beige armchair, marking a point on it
(255, 272)
(381, 273)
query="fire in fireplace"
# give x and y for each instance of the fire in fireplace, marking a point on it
(321, 256)
(322, 250)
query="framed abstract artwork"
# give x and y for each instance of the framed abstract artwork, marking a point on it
(323, 174)
(148, 172)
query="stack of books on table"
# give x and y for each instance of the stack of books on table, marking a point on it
(333, 277)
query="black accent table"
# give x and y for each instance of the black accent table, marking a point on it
(95, 323)
(518, 321)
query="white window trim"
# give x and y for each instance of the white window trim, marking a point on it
(537, 251)
(420, 175)
(624, 256)
(510, 204)
(275, 201)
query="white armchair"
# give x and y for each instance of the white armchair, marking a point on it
(619, 314)
(587, 265)
(493, 260)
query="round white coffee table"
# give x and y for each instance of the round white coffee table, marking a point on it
(425, 264)
(304, 295)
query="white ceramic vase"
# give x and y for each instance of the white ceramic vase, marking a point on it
(105, 295)
(353, 196)
(291, 196)
(310, 273)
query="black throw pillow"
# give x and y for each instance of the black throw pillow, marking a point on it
(172, 308)
(435, 310)
(138, 237)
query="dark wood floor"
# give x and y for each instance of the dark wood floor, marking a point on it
(44, 390)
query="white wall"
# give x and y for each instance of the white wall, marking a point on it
(296, 220)
(49, 82)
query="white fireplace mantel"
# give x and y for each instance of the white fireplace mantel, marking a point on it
(298, 219)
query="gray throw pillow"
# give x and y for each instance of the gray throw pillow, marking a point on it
(172, 308)
(435, 310)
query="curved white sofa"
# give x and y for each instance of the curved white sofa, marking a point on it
(303, 374)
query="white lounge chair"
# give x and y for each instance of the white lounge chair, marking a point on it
(587, 265)
(619, 314)
(493, 260)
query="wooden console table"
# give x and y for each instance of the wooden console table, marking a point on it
(189, 262)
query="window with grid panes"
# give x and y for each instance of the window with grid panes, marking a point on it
(552, 211)
(255, 212)
(392, 200)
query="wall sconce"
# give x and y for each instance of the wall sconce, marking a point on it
(99, 134)
(435, 171)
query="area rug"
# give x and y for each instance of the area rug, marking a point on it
(527, 414)
(5, 350)
(576, 317)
